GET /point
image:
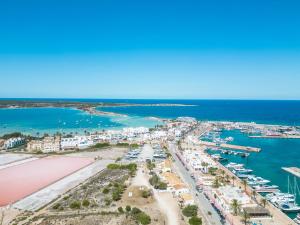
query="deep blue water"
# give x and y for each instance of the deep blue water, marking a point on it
(271, 112)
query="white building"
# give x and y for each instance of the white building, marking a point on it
(226, 194)
(77, 142)
(13, 142)
(51, 144)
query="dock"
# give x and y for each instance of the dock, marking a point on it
(230, 146)
(293, 170)
(278, 137)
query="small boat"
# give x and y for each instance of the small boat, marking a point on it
(233, 165)
(265, 187)
(289, 207)
(242, 170)
(229, 139)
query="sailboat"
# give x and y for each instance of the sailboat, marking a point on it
(290, 204)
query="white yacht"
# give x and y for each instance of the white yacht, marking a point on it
(289, 206)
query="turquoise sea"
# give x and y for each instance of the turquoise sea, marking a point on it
(51, 120)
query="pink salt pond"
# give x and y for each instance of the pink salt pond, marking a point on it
(19, 181)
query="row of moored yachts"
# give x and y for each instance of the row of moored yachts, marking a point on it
(284, 201)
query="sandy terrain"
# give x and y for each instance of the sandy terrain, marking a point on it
(109, 153)
(166, 203)
(9, 158)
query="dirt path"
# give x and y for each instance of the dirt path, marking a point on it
(167, 204)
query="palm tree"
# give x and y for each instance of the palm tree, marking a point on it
(227, 178)
(254, 193)
(216, 183)
(233, 179)
(235, 206)
(263, 202)
(245, 185)
(245, 217)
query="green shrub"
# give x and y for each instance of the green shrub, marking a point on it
(120, 209)
(116, 195)
(105, 191)
(107, 201)
(162, 186)
(75, 205)
(128, 208)
(146, 193)
(85, 203)
(135, 211)
(101, 145)
(143, 218)
(56, 206)
(194, 220)
(190, 211)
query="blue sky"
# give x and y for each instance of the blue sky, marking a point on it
(150, 49)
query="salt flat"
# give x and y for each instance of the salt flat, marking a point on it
(46, 195)
(17, 182)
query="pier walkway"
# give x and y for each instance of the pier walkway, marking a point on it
(230, 146)
(293, 170)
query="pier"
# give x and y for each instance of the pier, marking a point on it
(230, 146)
(293, 170)
(279, 136)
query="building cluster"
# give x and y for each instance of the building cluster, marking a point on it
(175, 185)
(200, 165)
(11, 143)
(140, 135)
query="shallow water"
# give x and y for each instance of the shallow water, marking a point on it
(51, 120)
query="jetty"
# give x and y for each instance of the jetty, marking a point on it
(293, 170)
(276, 136)
(230, 146)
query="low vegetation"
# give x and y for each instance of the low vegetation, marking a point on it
(190, 211)
(131, 167)
(138, 215)
(101, 145)
(157, 183)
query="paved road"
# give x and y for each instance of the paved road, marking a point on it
(204, 204)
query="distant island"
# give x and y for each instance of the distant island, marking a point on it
(89, 107)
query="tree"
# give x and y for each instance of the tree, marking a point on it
(75, 205)
(143, 218)
(194, 220)
(235, 206)
(263, 202)
(227, 178)
(120, 209)
(128, 208)
(85, 203)
(245, 185)
(245, 218)
(216, 183)
(233, 179)
(190, 210)
(254, 193)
